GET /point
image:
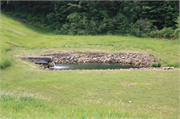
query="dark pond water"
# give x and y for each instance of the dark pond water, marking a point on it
(90, 66)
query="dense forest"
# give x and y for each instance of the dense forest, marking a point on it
(139, 18)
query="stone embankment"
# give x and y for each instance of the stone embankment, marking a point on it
(153, 68)
(134, 59)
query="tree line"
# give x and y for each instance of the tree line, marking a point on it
(139, 18)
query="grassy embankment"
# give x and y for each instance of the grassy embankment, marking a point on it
(27, 91)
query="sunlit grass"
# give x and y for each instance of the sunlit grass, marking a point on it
(111, 93)
(28, 107)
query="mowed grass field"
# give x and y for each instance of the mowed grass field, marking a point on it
(27, 91)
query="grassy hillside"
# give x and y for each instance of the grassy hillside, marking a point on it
(29, 92)
(18, 34)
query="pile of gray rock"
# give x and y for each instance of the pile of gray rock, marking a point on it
(134, 59)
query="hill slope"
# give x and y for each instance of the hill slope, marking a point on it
(29, 92)
(16, 33)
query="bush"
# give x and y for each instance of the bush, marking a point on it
(63, 29)
(74, 17)
(154, 33)
(141, 28)
(78, 24)
(166, 32)
(158, 64)
(176, 32)
(119, 24)
(4, 61)
(144, 28)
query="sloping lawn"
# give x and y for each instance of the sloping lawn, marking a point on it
(27, 91)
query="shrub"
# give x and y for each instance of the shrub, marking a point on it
(79, 24)
(57, 31)
(4, 61)
(141, 28)
(119, 24)
(82, 32)
(74, 17)
(156, 64)
(176, 32)
(154, 34)
(144, 28)
(166, 32)
(63, 29)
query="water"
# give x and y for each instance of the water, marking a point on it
(89, 66)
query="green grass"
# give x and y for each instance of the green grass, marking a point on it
(4, 61)
(152, 93)
(29, 92)
(28, 107)
(28, 37)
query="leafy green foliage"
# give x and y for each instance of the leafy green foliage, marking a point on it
(160, 13)
(96, 17)
(141, 28)
(176, 32)
(165, 32)
(79, 24)
(158, 64)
